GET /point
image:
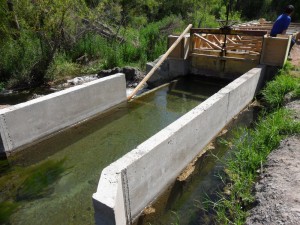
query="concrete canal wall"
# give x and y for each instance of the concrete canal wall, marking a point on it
(27, 122)
(131, 183)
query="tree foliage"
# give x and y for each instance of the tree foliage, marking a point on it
(38, 35)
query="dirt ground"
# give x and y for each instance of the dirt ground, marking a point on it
(278, 190)
(295, 54)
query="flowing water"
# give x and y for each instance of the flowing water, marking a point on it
(52, 182)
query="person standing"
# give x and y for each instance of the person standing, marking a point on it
(282, 23)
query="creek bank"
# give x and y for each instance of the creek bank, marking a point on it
(133, 77)
(278, 189)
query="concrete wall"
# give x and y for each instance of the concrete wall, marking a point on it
(27, 122)
(128, 185)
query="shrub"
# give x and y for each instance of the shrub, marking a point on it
(273, 94)
(18, 57)
(61, 68)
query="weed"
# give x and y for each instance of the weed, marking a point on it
(18, 57)
(61, 68)
(6, 210)
(37, 184)
(19, 184)
(251, 148)
(2, 86)
(273, 94)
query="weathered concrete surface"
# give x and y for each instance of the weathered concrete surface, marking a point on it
(169, 70)
(27, 122)
(128, 185)
(242, 90)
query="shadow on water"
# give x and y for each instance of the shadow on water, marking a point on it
(185, 202)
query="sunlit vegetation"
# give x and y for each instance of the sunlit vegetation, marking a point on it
(42, 41)
(252, 146)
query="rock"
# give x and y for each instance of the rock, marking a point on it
(104, 73)
(81, 80)
(34, 96)
(132, 75)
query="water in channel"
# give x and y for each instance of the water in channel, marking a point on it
(52, 182)
(189, 202)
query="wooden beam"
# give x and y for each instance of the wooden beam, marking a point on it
(209, 42)
(163, 58)
(223, 57)
(228, 32)
(216, 39)
(231, 41)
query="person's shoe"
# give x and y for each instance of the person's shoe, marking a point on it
(289, 58)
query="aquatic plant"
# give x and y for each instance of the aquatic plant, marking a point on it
(38, 183)
(6, 210)
(26, 184)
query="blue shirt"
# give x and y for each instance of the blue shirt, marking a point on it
(282, 23)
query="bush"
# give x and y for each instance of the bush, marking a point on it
(18, 57)
(91, 45)
(273, 94)
(61, 68)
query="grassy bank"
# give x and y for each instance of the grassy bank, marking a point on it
(252, 146)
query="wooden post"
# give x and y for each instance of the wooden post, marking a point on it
(159, 62)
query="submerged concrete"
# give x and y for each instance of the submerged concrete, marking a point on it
(131, 183)
(28, 122)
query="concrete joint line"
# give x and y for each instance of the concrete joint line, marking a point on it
(227, 108)
(5, 133)
(126, 197)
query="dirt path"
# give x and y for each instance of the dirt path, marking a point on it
(278, 190)
(295, 54)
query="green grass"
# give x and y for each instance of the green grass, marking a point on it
(251, 148)
(273, 94)
(2, 86)
(62, 67)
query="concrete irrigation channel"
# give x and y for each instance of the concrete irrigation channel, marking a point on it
(57, 145)
(131, 183)
(76, 156)
(173, 123)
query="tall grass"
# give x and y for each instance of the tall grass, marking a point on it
(139, 46)
(273, 94)
(62, 67)
(251, 148)
(18, 57)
